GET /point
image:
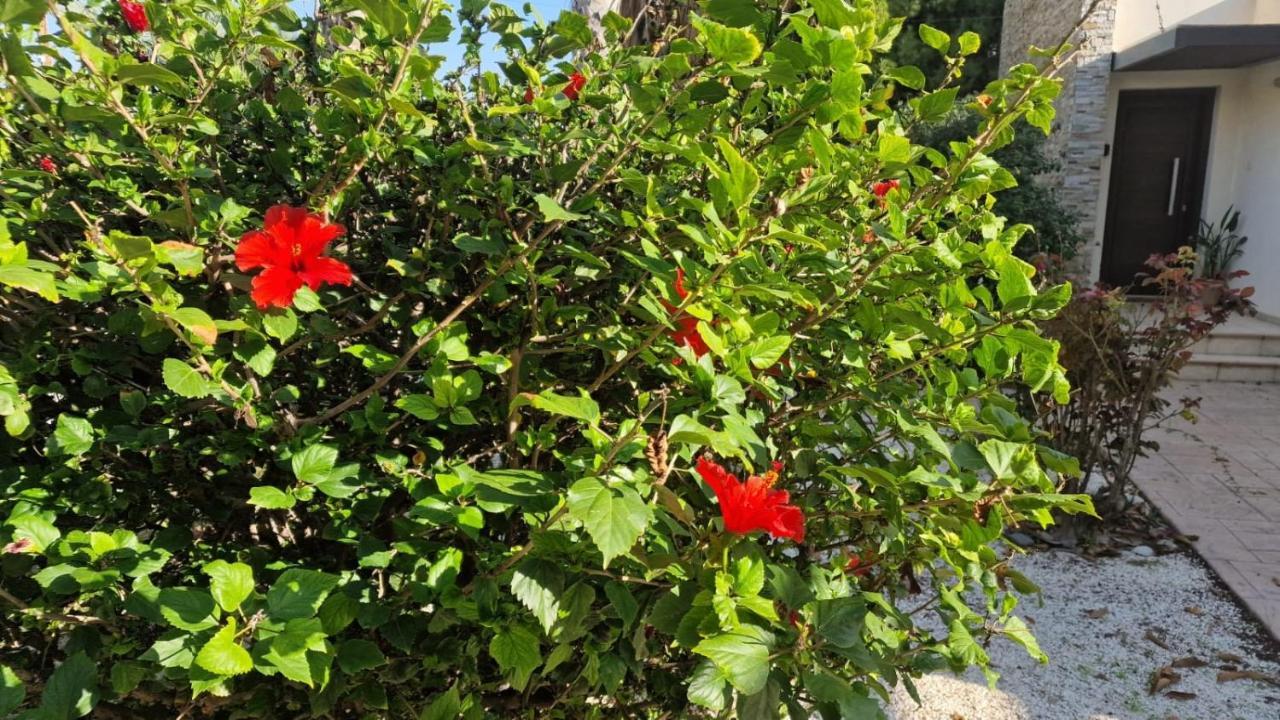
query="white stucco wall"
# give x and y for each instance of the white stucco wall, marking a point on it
(1257, 184)
(1244, 163)
(1137, 20)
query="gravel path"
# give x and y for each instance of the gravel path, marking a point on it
(1096, 624)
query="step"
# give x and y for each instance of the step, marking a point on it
(1226, 367)
(1242, 336)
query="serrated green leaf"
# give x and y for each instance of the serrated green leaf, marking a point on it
(551, 210)
(298, 593)
(735, 46)
(742, 654)
(71, 691)
(222, 655)
(271, 498)
(614, 517)
(184, 380)
(230, 583)
(356, 656)
(314, 464)
(517, 653)
(538, 584)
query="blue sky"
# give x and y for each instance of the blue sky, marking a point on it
(549, 9)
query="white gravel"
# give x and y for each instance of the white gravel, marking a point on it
(1100, 668)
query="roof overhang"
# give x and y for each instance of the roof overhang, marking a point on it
(1202, 47)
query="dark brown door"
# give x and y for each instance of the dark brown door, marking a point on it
(1157, 177)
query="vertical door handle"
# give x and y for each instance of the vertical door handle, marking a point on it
(1173, 185)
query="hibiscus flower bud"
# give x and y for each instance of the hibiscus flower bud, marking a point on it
(985, 100)
(135, 15)
(528, 95)
(48, 165)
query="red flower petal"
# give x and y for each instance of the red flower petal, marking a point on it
(259, 249)
(135, 15)
(275, 286)
(576, 82)
(753, 505)
(319, 270)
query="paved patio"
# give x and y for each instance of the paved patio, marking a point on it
(1219, 479)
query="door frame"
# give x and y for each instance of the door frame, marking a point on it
(1197, 169)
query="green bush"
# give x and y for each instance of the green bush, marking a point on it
(467, 454)
(1056, 228)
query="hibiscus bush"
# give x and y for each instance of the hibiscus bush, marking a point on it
(600, 380)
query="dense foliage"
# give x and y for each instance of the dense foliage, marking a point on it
(1056, 231)
(339, 385)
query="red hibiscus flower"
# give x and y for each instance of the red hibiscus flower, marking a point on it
(686, 332)
(883, 187)
(753, 505)
(576, 82)
(135, 15)
(290, 247)
(48, 165)
(528, 95)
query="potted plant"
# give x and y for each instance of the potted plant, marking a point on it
(1219, 245)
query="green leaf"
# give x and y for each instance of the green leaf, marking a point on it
(742, 654)
(538, 584)
(188, 608)
(271, 498)
(962, 645)
(22, 12)
(517, 653)
(970, 42)
(299, 652)
(623, 602)
(935, 38)
(1017, 631)
(355, 656)
(126, 676)
(614, 517)
(1015, 279)
(12, 691)
(25, 278)
(743, 181)
(197, 322)
(908, 75)
(551, 210)
(760, 706)
(446, 706)
(935, 105)
(41, 532)
(766, 352)
(149, 74)
(385, 15)
(230, 583)
(298, 593)
(184, 380)
(314, 464)
(419, 405)
(579, 408)
(839, 620)
(735, 46)
(708, 687)
(222, 655)
(894, 149)
(71, 436)
(281, 324)
(72, 690)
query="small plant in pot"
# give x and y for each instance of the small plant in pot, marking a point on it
(1219, 245)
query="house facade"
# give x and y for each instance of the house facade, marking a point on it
(1170, 112)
